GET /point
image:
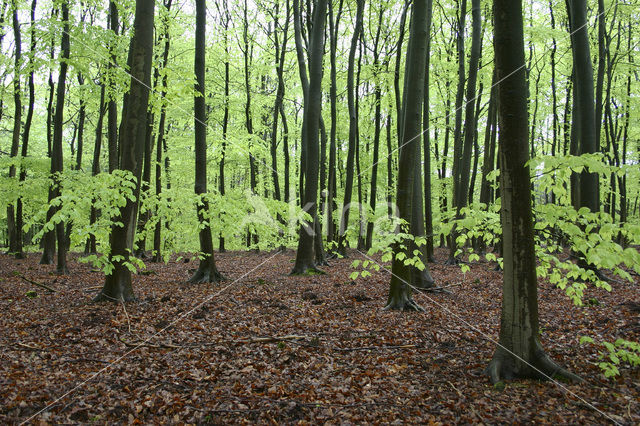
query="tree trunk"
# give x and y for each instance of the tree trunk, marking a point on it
(112, 114)
(207, 271)
(17, 124)
(428, 210)
(56, 148)
(25, 133)
(160, 139)
(400, 288)
(353, 133)
(519, 352)
(332, 186)
(117, 286)
(584, 101)
(312, 109)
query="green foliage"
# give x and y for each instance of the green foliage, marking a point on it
(620, 351)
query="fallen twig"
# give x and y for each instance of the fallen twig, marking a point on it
(140, 344)
(366, 348)
(46, 287)
(271, 339)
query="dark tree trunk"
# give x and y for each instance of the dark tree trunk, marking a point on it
(252, 238)
(17, 125)
(112, 108)
(519, 352)
(25, 133)
(49, 237)
(396, 74)
(117, 286)
(95, 168)
(428, 210)
(377, 93)
(305, 260)
(207, 271)
(402, 275)
(584, 101)
(332, 186)
(161, 137)
(56, 148)
(353, 133)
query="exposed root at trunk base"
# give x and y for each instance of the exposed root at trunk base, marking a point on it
(405, 304)
(307, 270)
(504, 366)
(452, 261)
(103, 297)
(206, 274)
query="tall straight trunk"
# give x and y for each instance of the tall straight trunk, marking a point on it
(279, 65)
(377, 94)
(49, 238)
(486, 190)
(400, 289)
(26, 131)
(312, 109)
(112, 108)
(225, 116)
(95, 167)
(81, 119)
(601, 67)
(353, 132)
(117, 285)
(17, 125)
(332, 186)
(476, 147)
(519, 352)
(554, 96)
(584, 101)
(56, 148)
(207, 271)
(428, 209)
(361, 200)
(160, 138)
(396, 74)
(247, 50)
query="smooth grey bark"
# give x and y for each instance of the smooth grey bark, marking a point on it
(331, 185)
(56, 147)
(353, 132)
(117, 286)
(112, 108)
(519, 352)
(12, 230)
(161, 136)
(400, 290)
(305, 259)
(49, 237)
(207, 271)
(26, 132)
(584, 101)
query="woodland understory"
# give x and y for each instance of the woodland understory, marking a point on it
(263, 346)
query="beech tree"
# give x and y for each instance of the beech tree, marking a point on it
(117, 285)
(519, 352)
(305, 256)
(207, 271)
(408, 171)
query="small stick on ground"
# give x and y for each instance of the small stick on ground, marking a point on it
(46, 287)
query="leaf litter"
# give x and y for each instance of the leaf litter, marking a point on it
(274, 348)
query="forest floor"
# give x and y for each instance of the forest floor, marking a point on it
(265, 347)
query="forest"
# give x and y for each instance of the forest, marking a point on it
(319, 211)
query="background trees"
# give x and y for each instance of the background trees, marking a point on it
(257, 142)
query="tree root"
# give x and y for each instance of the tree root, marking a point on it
(307, 270)
(504, 367)
(405, 304)
(206, 275)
